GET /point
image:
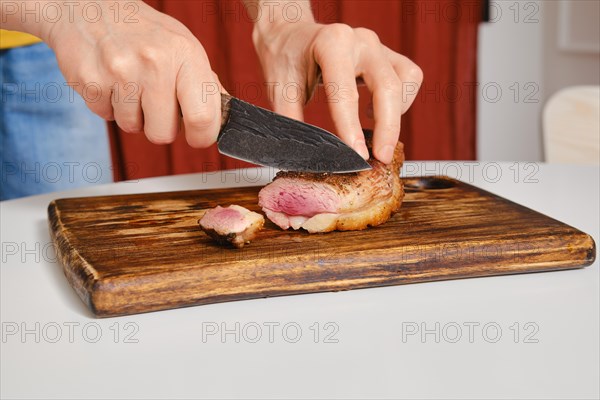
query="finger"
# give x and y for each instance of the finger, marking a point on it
(161, 112)
(339, 80)
(127, 107)
(383, 82)
(98, 99)
(409, 74)
(198, 94)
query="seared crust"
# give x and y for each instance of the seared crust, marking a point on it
(374, 215)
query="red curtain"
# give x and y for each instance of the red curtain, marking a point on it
(440, 36)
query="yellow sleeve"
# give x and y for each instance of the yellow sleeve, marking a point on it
(10, 39)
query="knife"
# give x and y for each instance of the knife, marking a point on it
(262, 137)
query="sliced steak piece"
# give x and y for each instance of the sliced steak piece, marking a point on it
(234, 225)
(327, 202)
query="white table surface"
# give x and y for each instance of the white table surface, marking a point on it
(366, 345)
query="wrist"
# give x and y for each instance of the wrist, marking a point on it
(46, 18)
(24, 16)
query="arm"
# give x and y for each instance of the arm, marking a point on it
(129, 62)
(293, 50)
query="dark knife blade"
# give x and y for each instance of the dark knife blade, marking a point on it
(262, 137)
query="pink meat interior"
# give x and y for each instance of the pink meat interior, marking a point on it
(298, 198)
(224, 219)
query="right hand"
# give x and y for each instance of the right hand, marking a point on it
(142, 74)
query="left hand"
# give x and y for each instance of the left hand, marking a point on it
(294, 53)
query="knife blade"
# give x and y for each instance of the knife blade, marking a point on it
(254, 134)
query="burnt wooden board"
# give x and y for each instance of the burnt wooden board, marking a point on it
(145, 252)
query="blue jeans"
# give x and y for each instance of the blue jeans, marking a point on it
(50, 140)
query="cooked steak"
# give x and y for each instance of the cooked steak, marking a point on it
(234, 224)
(327, 202)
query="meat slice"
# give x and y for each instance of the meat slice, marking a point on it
(327, 202)
(234, 225)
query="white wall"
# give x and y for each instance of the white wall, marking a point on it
(562, 67)
(519, 54)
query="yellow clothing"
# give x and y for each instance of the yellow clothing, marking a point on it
(10, 39)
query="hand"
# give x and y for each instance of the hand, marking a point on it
(140, 73)
(294, 53)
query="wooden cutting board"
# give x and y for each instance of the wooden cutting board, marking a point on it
(145, 252)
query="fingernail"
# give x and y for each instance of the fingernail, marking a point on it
(361, 148)
(386, 153)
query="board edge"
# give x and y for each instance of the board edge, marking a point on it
(79, 273)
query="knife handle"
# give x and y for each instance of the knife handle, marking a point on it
(225, 107)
